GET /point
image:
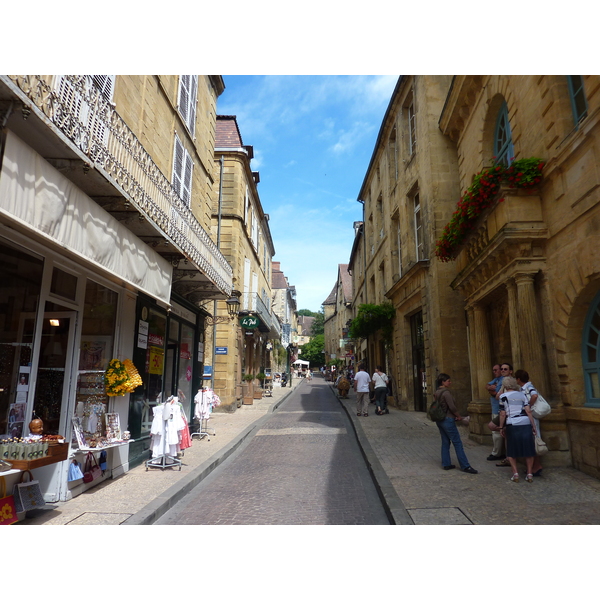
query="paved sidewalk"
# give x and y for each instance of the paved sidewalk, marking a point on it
(402, 450)
(406, 447)
(140, 497)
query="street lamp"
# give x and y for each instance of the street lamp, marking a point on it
(233, 304)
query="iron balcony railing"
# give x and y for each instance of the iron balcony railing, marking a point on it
(251, 301)
(95, 128)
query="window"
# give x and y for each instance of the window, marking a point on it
(418, 229)
(84, 98)
(412, 130)
(577, 94)
(591, 354)
(393, 157)
(182, 172)
(186, 102)
(503, 147)
(399, 246)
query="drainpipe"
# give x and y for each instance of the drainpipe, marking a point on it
(214, 345)
(365, 262)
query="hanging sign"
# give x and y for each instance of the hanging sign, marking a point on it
(157, 355)
(249, 322)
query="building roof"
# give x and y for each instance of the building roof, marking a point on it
(331, 299)
(305, 324)
(346, 280)
(227, 133)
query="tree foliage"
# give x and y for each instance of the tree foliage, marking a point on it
(313, 351)
(372, 318)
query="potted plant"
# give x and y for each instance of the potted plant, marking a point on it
(248, 388)
(258, 390)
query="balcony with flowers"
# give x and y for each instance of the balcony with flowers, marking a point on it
(499, 210)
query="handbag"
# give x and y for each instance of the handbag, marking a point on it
(541, 408)
(75, 471)
(28, 494)
(540, 446)
(8, 512)
(92, 469)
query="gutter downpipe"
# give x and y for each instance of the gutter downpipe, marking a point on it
(214, 345)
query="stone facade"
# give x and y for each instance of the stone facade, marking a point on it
(408, 192)
(242, 229)
(529, 272)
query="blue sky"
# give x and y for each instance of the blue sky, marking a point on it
(313, 137)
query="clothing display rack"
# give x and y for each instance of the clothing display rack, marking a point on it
(205, 400)
(164, 460)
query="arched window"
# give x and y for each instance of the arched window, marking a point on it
(503, 147)
(590, 351)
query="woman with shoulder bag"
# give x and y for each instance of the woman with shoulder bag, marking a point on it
(531, 393)
(380, 381)
(517, 427)
(448, 430)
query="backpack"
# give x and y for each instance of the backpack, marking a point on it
(436, 411)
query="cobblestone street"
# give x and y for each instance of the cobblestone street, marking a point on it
(303, 467)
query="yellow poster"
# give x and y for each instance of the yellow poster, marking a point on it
(157, 356)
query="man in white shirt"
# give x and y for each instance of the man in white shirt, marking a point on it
(361, 387)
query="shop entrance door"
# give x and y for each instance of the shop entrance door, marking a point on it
(418, 362)
(53, 376)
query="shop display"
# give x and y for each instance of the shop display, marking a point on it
(92, 470)
(121, 377)
(8, 512)
(27, 494)
(96, 428)
(34, 451)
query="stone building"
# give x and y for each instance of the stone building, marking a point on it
(337, 312)
(106, 189)
(243, 341)
(410, 187)
(286, 309)
(529, 269)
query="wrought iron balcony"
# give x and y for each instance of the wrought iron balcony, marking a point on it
(117, 172)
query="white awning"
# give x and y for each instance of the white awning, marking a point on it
(36, 195)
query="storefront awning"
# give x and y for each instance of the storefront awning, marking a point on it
(36, 195)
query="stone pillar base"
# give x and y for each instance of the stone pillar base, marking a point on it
(481, 415)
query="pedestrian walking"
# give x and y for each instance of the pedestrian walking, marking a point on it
(517, 426)
(361, 387)
(380, 379)
(448, 430)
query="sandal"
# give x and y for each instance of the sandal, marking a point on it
(365, 414)
(503, 463)
(529, 478)
(515, 478)
(358, 414)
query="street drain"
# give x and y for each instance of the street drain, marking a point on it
(449, 515)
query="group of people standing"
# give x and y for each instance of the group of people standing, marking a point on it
(363, 383)
(513, 425)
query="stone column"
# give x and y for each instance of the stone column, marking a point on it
(529, 331)
(515, 340)
(481, 357)
(480, 361)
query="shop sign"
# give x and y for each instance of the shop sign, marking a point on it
(249, 322)
(157, 355)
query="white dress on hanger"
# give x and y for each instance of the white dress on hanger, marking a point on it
(169, 445)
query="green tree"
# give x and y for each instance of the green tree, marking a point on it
(318, 326)
(313, 351)
(304, 312)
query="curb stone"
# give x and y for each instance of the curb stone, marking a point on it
(392, 504)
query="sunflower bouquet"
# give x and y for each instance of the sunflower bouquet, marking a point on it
(121, 377)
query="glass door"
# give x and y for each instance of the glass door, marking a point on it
(52, 385)
(418, 362)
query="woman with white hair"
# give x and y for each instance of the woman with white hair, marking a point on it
(517, 427)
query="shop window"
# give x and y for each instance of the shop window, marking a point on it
(591, 354)
(503, 146)
(577, 95)
(63, 284)
(20, 279)
(96, 351)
